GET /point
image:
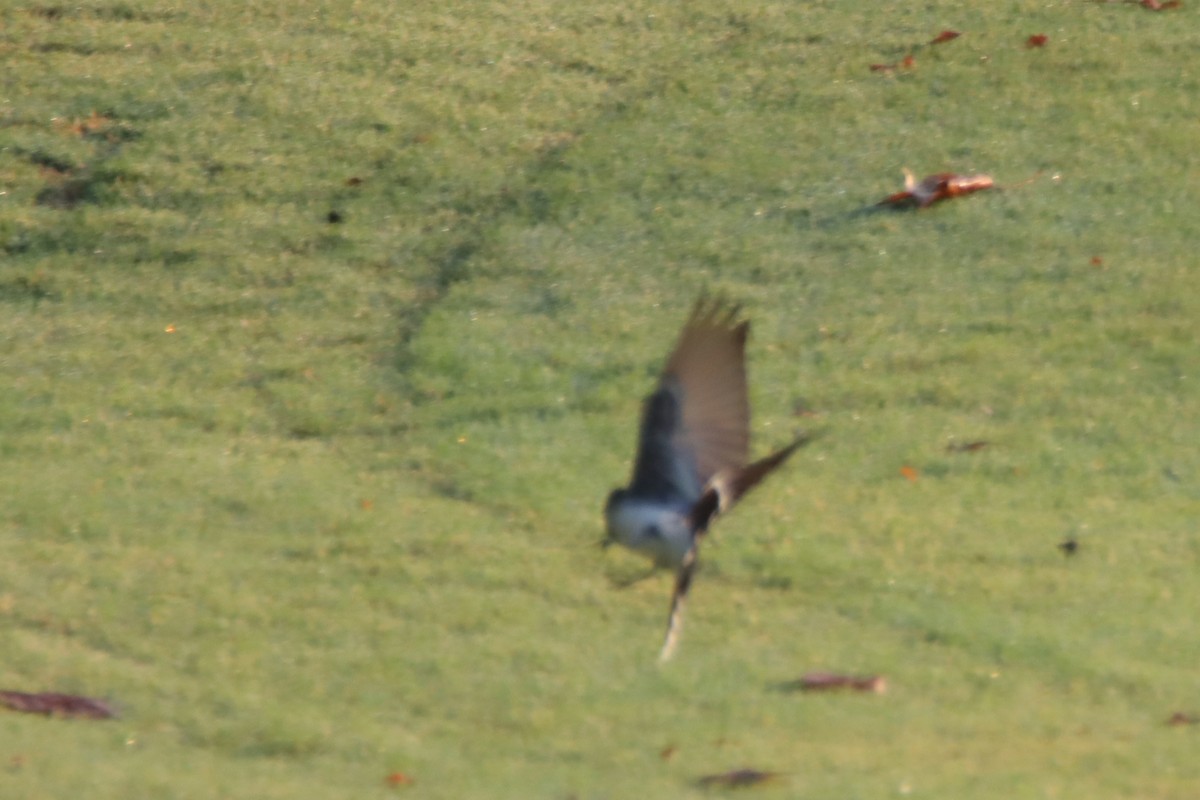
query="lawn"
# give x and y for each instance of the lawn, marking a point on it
(325, 332)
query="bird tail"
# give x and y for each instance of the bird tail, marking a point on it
(748, 478)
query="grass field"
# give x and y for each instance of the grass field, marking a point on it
(324, 333)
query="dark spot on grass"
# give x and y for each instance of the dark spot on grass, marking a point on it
(63, 47)
(88, 187)
(27, 289)
(43, 159)
(47, 12)
(118, 12)
(334, 217)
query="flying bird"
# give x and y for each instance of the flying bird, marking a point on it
(692, 452)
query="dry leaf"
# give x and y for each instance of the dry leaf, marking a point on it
(399, 779)
(945, 36)
(1179, 718)
(909, 472)
(1037, 40)
(908, 62)
(58, 705)
(1158, 5)
(967, 447)
(738, 778)
(829, 681)
(933, 188)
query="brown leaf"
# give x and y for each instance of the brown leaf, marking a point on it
(945, 36)
(908, 62)
(940, 186)
(1179, 719)
(909, 472)
(1158, 5)
(58, 705)
(1037, 40)
(399, 779)
(738, 778)
(967, 447)
(830, 681)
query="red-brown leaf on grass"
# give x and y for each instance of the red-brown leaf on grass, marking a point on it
(909, 472)
(1097, 261)
(832, 681)
(398, 779)
(1037, 40)
(668, 752)
(1179, 718)
(945, 36)
(908, 62)
(940, 186)
(1158, 5)
(57, 705)
(738, 778)
(967, 447)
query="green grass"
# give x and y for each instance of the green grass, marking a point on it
(316, 501)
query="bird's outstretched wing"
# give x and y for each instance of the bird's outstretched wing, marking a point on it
(697, 422)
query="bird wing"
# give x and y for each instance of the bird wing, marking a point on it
(663, 470)
(697, 423)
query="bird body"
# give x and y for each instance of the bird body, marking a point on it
(692, 451)
(655, 529)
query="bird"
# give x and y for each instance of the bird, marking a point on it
(692, 453)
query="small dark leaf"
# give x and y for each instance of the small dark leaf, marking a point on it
(737, 779)
(830, 681)
(967, 447)
(59, 705)
(945, 36)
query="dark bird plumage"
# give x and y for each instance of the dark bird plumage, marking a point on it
(692, 451)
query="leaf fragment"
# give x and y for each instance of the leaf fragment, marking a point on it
(738, 779)
(939, 186)
(833, 681)
(55, 704)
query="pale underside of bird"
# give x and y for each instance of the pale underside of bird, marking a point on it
(692, 453)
